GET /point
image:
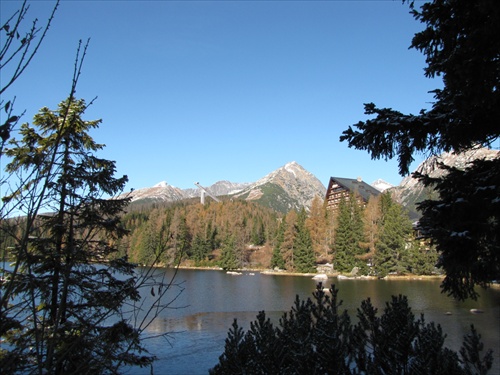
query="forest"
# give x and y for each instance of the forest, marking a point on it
(375, 238)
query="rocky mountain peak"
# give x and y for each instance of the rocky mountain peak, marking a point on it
(288, 187)
(412, 191)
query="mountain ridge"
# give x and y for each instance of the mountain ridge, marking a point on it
(293, 187)
(411, 191)
(288, 187)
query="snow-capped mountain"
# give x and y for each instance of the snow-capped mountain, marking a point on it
(162, 192)
(381, 185)
(286, 188)
(290, 186)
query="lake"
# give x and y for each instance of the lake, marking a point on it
(199, 319)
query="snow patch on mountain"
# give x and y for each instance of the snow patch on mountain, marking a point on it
(162, 184)
(381, 185)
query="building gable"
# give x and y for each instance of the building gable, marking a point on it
(339, 188)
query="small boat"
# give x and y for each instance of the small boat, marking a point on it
(233, 273)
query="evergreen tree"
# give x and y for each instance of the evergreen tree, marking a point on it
(349, 236)
(258, 232)
(304, 258)
(180, 237)
(422, 257)
(63, 296)
(211, 237)
(229, 256)
(315, 337)
(393, 243)
(464, 224)
(200, 248)
(460, 45)
(288, 244)
(277, 260)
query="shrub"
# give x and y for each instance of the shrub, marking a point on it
(315, 337)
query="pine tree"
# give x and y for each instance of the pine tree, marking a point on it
(229, 256)
(304, 258)
(460, 45)
(288, 244)
(180, 238)
(349, 236)
(277, 260)
(393, 243)
(258, 232)
(64, 295)
(200, 248)
(315, 337)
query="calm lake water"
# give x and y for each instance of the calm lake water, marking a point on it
(199, 319)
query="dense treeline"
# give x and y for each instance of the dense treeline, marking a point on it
(198, 233)
(376, 238)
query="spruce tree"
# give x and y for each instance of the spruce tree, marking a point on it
(277, 260)
(69, 287)
(315, 337)
(258, 232)
(460, 45)
(229, 256)
(288, 244)
(303, 250)
(349, 236)
(393, 243)
(200, 248)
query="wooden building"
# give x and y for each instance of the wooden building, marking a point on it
(339, 188)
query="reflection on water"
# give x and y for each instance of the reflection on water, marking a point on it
(213, 299)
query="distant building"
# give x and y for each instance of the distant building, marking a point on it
(339, 188)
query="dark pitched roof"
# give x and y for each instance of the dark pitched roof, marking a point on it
(355, 185)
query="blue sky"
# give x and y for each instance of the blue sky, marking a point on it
(228, 90)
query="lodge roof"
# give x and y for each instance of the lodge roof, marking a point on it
(354, 185)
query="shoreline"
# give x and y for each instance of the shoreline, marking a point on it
(311, 274)
(336, 275)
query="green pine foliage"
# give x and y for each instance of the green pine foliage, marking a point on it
(394, 242)
(60, 293)
(349, 235)
(316, 337)
(464, 224)
(277, 260)
(200, 249)
(460, 44)
(422, 258)
(304, 259)
(229, 256)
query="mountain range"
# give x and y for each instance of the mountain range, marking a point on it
(286, 188)
(293, 187)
